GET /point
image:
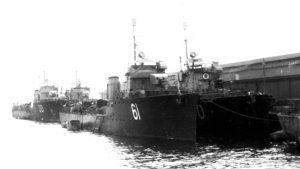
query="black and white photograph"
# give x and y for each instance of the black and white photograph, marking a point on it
(160, 84)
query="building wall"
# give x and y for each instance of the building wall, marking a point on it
(278, 76)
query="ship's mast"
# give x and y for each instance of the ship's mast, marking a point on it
(45, 79)
(186, 45)
(180, 63)
(44, 76)
(134, 43)
(76, 78)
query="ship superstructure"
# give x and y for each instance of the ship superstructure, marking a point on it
(148, 106)
(183, 105)
(226, 112)
(78, 93)
(80, 109)
(47, 104)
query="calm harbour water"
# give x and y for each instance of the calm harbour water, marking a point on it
(27, 144)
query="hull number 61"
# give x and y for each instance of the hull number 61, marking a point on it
(135, 111)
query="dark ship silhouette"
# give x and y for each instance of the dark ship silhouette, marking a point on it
(45, 108)
(147, 107)
(223, 112)
(47, 104)
(185, 105)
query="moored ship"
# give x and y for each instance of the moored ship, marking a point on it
(290, 119)
(185, 105)
(148, 107)
(47, 104)
(152, 103)
(225, 112)
(21, 111)
(81, 112)
(45, 107)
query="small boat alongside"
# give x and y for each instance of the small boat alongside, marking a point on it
(81, 112)
(86, 120)
(290, 119)
(21, 111)
(73, 125)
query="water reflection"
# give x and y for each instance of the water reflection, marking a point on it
(42, 142)
(208, 153)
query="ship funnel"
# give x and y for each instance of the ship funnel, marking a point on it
(113, 87)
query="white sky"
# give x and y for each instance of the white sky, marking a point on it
(95, 37)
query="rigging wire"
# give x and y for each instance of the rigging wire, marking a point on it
(234, 112)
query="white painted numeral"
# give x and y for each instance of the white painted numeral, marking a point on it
(135, 111)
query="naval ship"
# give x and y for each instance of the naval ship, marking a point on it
(148, 107)
(225, 112)
(22, 111)
(45, 107)
(81, 112)
(47, 104)
(185, 105)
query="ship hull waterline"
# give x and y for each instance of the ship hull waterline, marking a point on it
(290, 125)
(167, 117)
(89, 122)
(237, 117)
(187, 117)
(21, 114)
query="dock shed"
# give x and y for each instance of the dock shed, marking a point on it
(278, 76)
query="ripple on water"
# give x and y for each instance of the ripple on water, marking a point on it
(147, 153)
(86, 150)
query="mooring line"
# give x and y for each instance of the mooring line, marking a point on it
(234, 112)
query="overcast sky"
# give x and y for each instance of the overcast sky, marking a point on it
(95, 37)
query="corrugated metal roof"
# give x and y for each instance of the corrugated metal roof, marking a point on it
(274, 67)
(257, 61)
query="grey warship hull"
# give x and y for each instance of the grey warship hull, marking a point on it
(47, 110)
(191, 116)
(166, 117)
(42, 111)
(243, 116)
